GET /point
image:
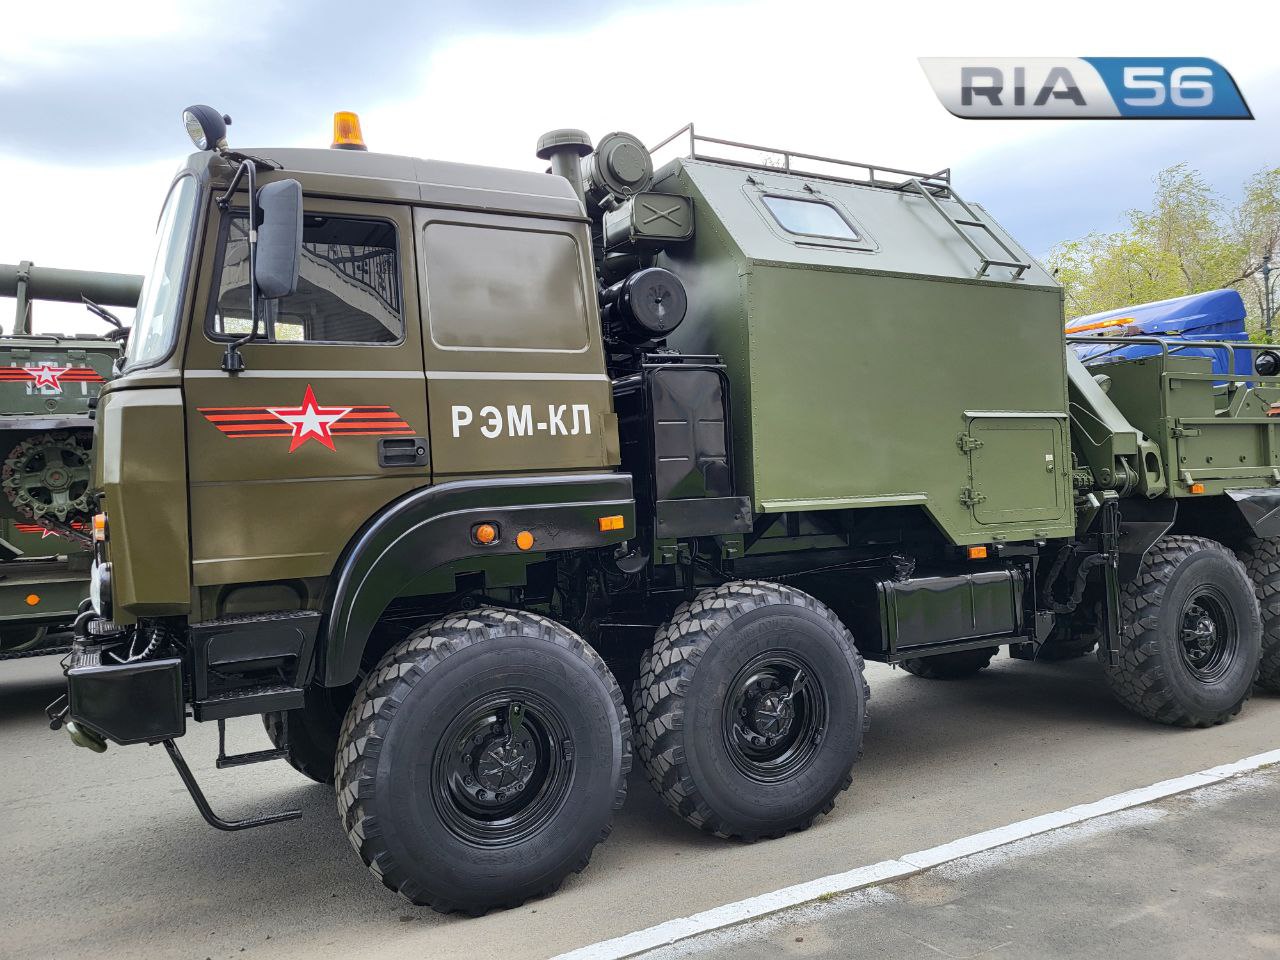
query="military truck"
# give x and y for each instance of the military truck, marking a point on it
(405, 453)
(48, 382)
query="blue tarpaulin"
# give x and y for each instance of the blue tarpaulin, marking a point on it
(1215, 315)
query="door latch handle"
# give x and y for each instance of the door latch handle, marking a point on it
(402, 452)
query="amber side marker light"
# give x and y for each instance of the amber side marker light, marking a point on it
(99, 527)
(977, 553)
(346, 132)
(1197, 488)
(616, 522)
(524, 539)
(484, 534)
(33, 599)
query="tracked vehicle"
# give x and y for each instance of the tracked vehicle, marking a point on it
(431, 461)
(48, 382)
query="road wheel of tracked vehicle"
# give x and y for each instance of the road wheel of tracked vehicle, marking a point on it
(1262, 559)
(950, 666)
(46, 476)
(752, 712)
(1191, 641)
(482, 760)
(309, 736)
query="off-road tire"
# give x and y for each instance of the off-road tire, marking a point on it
(396, 729)
(1261, 557)
(950, 666)
(681, 706)
(309, 735)
(1152, 678)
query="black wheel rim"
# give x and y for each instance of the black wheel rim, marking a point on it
(775, 713)
(503, 768)
(1208, 635)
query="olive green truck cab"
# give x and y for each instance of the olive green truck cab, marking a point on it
(425, 461)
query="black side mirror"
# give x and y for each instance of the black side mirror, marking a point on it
(1266, 363)
(279, 239)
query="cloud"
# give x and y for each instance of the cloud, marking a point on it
(108, 80)
(93, 95)
(1081, 177)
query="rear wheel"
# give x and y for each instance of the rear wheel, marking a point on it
(1262, 559)
(752, 710)
(482, 760)
(1191, 642)
(950, 666)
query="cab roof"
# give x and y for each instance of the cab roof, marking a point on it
(359, 174)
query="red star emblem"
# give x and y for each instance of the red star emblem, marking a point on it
(47, 375)
(310, 421)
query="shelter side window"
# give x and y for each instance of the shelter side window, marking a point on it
(810, 218)
(499, 288)
(348, 285)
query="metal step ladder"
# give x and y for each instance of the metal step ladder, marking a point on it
(970, 220)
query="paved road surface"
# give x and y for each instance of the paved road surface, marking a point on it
(104, 856)
(1193, 876)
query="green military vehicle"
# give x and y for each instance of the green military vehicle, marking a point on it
(48, 383)
(407, 464)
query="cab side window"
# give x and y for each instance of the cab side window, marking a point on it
(497, 288)
(348, 285)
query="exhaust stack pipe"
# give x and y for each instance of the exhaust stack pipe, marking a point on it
(565, 149)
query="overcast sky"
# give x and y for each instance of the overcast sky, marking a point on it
(92, 95)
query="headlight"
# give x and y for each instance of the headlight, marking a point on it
(100, 588)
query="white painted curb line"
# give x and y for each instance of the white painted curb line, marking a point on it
(753, 908)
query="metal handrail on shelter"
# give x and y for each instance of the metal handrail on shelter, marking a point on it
(873, 173)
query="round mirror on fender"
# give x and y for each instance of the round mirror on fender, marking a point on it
(206, 127)
(1267, 363)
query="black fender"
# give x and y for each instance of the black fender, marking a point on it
(1260, 509)
(432, 526)
(1142, 523)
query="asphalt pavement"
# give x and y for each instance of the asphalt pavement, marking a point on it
(1189, 877)
(104, 856)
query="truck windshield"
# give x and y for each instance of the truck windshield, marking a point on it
(156, 321)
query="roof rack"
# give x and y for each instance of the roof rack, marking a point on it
(875, 175)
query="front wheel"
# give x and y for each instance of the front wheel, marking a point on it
(1192, 636)
(482, 760)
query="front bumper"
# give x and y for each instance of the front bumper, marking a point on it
(125, 702)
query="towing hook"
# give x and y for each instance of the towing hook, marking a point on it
(80, 736)
(84, 737)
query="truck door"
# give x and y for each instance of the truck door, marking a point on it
(328, 421)
(515, 367)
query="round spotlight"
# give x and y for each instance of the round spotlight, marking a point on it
(206, 127)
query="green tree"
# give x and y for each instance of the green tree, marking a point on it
(1187, 242)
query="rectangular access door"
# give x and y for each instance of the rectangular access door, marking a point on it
(1018, 467)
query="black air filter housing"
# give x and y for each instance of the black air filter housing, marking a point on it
(646, 306)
